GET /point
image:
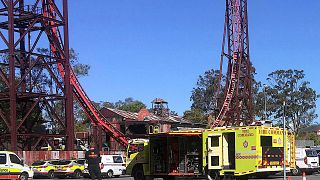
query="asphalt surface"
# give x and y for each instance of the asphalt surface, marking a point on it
(308, 177)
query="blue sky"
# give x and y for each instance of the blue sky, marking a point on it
(158, 48)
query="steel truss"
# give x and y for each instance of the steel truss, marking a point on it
(236, 108)
(30, 80)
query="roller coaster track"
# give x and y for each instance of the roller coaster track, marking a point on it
(89, 108)
(238, 74)
(228, 98)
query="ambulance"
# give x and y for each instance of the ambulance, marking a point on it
(229, 152)
(12, 167)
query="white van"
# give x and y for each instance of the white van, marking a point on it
(306, 161)
(111, 166)
(12, 167)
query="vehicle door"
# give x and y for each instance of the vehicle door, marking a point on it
(215, 151)
(4, 165)
(81, 162)
(118, 165)
(301, 158)
(16, 165)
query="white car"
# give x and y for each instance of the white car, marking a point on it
(306, 161)
(12, 167)
(111, 166)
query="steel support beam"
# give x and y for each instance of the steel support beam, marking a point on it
(12, 88)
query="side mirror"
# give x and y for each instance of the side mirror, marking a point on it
(22, 162)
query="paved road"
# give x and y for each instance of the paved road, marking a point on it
(309, 177)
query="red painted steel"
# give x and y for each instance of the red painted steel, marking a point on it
(236, 109)
(20, 35)
(26, 73)
(91, 111)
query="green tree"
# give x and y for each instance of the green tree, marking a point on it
(309, 136)
(134, 106)
(205, 96)
(129, 104)
(195, 115)
(79, 69)
(291, 87)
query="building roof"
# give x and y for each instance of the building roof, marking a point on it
(158, 100)
(131, 116)
(312, 128)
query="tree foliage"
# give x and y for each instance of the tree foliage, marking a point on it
(205, 96)
(309, 136)
(129, 104)
(195, 115)
(290, 86)
(80, 71)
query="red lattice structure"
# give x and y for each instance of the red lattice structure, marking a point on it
(39, 83)
(236, 108)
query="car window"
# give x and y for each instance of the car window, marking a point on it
(63, 162)
(54, 162)
(14, 159)
(117, 159)
(3, 159)
(80, 161)
(311, 153)
(38, 163)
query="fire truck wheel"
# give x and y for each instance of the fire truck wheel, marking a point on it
(138, 173)
(213, 175)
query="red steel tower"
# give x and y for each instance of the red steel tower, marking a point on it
(236, 108)
(37, 85)
(32, 91)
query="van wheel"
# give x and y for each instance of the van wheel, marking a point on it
(110, 174)
(51, 174)
(77, 174)
(138, 173)
(295, 172)
(213, 175)
(24, 176)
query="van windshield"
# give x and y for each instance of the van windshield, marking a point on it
(311, 153)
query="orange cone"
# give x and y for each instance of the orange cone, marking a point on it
(289, 178)
(304, 176)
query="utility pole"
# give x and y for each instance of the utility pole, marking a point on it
(265, 101)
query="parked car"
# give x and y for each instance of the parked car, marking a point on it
(306, 161)
(111, 166)
(44, 168)
(71, 168)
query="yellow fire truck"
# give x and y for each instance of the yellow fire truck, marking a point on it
(230, 152)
